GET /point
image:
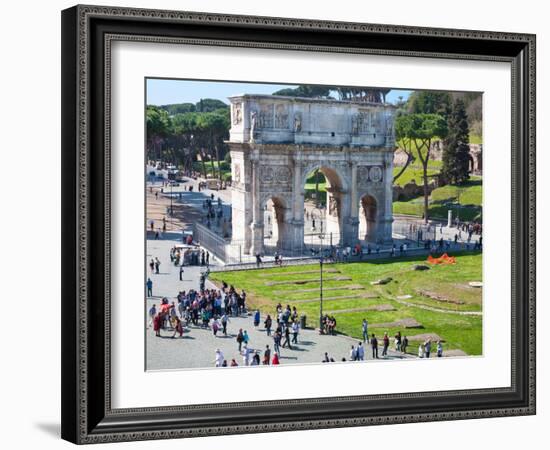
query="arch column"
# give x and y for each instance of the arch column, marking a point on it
(385, 214)
(294, 226)
(350, 225)
(257, 225)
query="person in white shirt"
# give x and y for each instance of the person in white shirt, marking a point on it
(352, 354)
(219, 358)
(360, 352)
(246, 355)
(295, 330)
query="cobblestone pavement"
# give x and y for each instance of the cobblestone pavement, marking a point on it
(197, 346)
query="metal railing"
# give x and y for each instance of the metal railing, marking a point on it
(415, 232)
(233, 253)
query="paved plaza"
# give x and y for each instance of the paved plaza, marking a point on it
(197, 346)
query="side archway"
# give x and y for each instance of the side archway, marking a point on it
(275, 213)
(368, 218)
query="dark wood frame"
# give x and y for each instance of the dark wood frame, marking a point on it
(87, 31)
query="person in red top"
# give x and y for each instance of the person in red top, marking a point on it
(178, 328)
(157, 323)
(275, 360)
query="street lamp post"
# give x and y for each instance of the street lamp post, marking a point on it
(321, 296)
(171, 206)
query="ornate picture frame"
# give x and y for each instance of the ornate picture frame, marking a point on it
(87, 35)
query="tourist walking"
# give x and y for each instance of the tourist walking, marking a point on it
(240, 338)
(181, 272)
(267, 356)
(404, 344)
(157, 265)
(246, 355)
(352, 354)
(374, 346)
(267, 323)
(439, 349)
(277, 341)
(152, 314)
(386, 343)
(397, 341)
(427, 348)
(365, 330)
(178, 326)
(215, 327)
(360, 352)
(287, 338)
(157, 323)
(295, 330)
(224, 320)
(149, 287)
(219, 358)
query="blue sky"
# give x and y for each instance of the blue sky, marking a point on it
(165, 92)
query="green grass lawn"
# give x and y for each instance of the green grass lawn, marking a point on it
(225, 167)
(450, 281)
(311, 186)
(413, 173)
(475, 139)
(465, 200)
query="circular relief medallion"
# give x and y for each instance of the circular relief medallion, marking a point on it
(375, 174)
(266, 174)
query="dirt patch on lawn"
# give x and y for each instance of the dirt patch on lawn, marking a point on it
(316, 299)
(365, 309)
(305, 272)
(349, 287)
(455, 352)
(306, 281)
(439, 297)
(425, 336)
(403, 323)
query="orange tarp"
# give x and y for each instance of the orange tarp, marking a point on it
(443, 259)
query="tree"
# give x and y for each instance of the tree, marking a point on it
(305, 90)
(362, 94)
(210, 105)
(178, 108)
(456, 148)
(422, 130)
(430, 102)
(403, 133)
(158, 128)
(214, 127)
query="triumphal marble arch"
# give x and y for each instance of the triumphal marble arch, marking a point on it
(276, 141)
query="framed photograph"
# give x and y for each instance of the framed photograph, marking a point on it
(283, 224)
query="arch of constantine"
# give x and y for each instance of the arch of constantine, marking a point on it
(276, 141)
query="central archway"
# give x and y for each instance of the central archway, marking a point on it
(323, 209)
